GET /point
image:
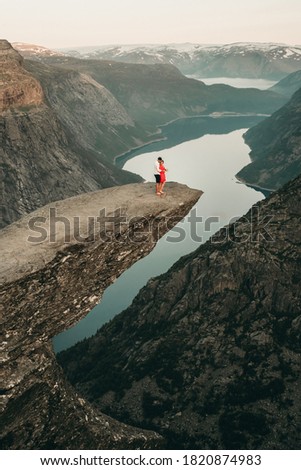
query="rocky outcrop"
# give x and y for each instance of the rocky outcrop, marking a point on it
(17, 86)
(275, 147)
(208, 354)
(56, 263)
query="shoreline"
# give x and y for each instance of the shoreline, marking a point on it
(257, 187)
(214, 115)
(132, 149)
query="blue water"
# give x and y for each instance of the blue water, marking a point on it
(208, 162)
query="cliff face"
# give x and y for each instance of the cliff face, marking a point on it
(42, 163)
(17, 87)
(156, 94)
(209, 353)
(49, 283)
(275, 147)
(49, 150)
(88, 110)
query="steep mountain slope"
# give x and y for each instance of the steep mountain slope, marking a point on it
(276, 147)
(41, 159)
(250, 60)
(156, 94)
(89, 111)
(209, 353)
(288, 85)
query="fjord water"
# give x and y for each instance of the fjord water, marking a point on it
(208, 162)
(238, 82)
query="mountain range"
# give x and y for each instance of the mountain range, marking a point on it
(249, 60)
(156, 94)
(270, 55)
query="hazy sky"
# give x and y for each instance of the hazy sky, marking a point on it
(64, 23)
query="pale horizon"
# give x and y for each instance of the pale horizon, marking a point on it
(137, 44)
(62, 24)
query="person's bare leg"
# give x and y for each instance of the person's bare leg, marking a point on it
(158, 186)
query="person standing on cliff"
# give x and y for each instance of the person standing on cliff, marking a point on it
(158, 176)
(163, 171)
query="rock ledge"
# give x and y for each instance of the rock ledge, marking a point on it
(47, 287)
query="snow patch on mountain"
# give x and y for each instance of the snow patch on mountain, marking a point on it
(268, 61)
(28, 50)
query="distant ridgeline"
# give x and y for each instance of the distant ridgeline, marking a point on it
(244, 60)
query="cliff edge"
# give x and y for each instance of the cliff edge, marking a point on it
(17, 86)
(57, 261)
